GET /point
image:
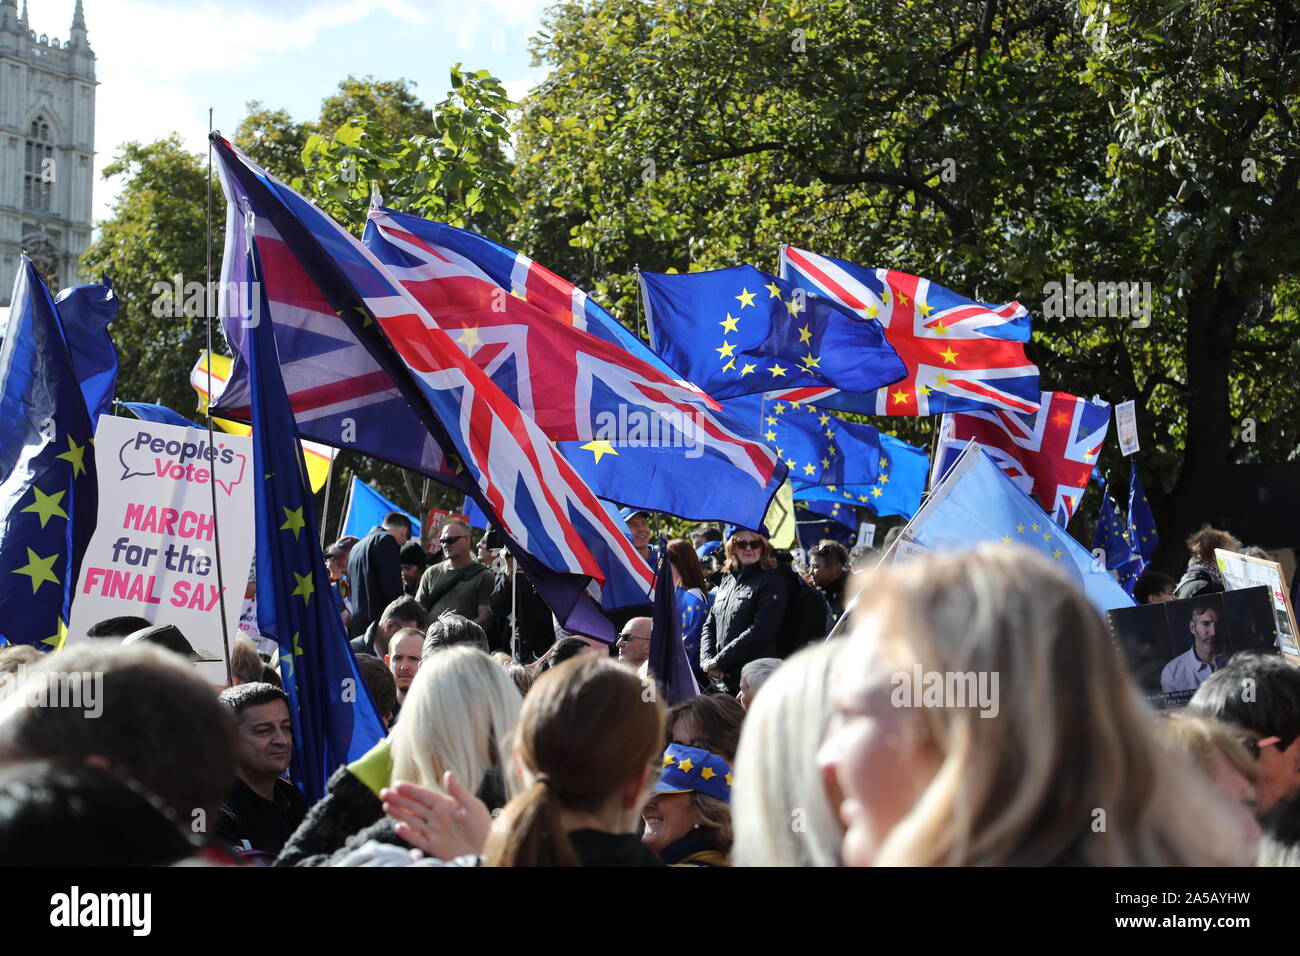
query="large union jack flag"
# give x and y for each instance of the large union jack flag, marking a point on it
(1049, 454)
(636, 435)
(525, 279)
(562, 534)
(959, 354)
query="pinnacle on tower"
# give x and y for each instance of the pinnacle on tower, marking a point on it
(78, 34)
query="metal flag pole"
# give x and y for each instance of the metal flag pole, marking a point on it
(325, 514)
(212, 485)
(347, 504)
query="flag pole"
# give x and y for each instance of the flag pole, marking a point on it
(325, 513)
(212, 485)
(347, 504)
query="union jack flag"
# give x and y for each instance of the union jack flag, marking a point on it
(561, 533)
(1049, 454)
(534, 283)
(635, 434)
(959, 354)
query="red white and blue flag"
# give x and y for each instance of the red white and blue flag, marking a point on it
(565, 538)
(1049, 454)
(636, 435)
(960, 354)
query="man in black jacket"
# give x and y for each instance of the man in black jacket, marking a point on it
(375, 571)
(262, 809)
(747, 613)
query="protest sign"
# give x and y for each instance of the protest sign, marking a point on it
(1171, 647)
(153, 554)
(1126, 425)
(1242, 571)
(866, 534)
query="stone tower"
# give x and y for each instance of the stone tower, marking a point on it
(47, 136)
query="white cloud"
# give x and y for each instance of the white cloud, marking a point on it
(148, 53)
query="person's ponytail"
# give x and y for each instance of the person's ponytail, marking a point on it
(534, 831)
(587, 729)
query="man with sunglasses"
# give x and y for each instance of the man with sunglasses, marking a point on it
(1260, 695)
(457, 583)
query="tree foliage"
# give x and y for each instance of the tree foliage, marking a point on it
(992, 147)
(456, 172)
(156, 234)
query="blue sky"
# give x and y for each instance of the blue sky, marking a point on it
(162, 64)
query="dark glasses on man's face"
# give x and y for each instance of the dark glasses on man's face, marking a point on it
(446, 541)
(746, 545)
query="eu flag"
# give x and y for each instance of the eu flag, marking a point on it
(334, 719)
(149, 412)
(740, 331)
(48, 492)
(977, 502)
(821, 520)
(1141, 523)
(86, 311)
(896, 490)
(1115, 546)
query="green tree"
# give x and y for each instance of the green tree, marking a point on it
(992, 147)
(391, 105)
(273, 140)
(155, 236)
(458, 172)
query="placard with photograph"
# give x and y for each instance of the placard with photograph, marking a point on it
(1242, 571)
(1172, 647)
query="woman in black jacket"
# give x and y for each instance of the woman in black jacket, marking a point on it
(747, 613)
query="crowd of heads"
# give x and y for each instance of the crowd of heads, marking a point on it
(975, 711)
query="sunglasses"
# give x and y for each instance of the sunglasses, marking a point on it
(450, 540)
(632, 637)
(747, 545)
(1254, 745)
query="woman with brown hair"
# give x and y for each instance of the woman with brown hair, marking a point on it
(693, 599)
(1202, 575)
(747, 612)
(1024, 743)
(588, 748)
(710, 721)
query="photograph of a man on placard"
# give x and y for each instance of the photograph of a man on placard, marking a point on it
(1172, 647)
(1205, 654)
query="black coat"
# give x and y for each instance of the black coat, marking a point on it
(375, 573)
(745, 621)
(349, 807)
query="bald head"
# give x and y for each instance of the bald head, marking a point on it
(634, 641)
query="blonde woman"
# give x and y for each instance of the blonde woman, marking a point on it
(781, 811)
(588, 744)
(460, 715)
(745, 621)
(1222, 754)
(981, 717)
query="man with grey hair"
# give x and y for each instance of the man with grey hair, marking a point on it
(140, 710)
(753, 676)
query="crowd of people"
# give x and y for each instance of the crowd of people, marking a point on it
(511, 742)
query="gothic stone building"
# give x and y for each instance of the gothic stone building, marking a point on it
(47, 134)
